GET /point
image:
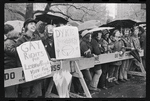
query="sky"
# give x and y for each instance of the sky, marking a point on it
(112, 9)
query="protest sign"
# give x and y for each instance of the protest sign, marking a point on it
(16, 75)
(34, 60)
(66, 39)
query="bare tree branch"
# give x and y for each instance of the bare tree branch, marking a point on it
(15, 11)
(79, 8)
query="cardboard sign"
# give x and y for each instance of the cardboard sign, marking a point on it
(16, 75)
(66, 39)
(34, 60)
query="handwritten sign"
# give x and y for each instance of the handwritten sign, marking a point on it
(16, 75)
(34, 60)
(66, 39)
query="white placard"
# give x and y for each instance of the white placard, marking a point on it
(34, 60)
(66, 39)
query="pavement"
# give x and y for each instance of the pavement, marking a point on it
(134, 88)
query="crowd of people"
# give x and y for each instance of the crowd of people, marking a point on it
(92, 44)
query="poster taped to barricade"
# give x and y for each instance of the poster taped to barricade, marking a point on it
(16, 76)
(34, 60)
(66, 39)
(111, 57)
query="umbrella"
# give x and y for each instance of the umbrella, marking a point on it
(100, 28)
(62, 79)
(135, 54)
(73, 23)
(126, 23)
(17, 24)
(51, 19)
(88, 25)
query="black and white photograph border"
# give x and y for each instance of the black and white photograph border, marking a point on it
(114, 61)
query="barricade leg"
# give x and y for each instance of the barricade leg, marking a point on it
(85, 88)
(143, 73)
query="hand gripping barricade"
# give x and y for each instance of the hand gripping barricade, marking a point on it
(15, 76)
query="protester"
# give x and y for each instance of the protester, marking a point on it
(30, 89)
(125, 63)
(103, 46)
(136, 45)
(142, 35)
(117, 47)
(48, 42)
(96, 71)
(88, 51)
(10, 57)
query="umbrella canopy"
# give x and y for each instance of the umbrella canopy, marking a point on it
(73, 23)
(17, 24)
(100, 28)
(126, 23)
(88, 25)
(51, 19)
(135, 54)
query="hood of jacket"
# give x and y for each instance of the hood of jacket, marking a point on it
(13, 35)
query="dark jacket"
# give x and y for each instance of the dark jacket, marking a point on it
(143, 42)
(95, 46)
(10, 53)
(136, 42)
(142, 39)
(49, 46)
(89, 48)
(117, 47)
(127, 42)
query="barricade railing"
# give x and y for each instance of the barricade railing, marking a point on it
(15, 76)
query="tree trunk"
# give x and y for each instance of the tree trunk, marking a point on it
(29, 11)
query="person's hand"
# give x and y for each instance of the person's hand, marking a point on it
(95, 55)
(86, 52)
(139, 50)
(132, 48)
(53, 59)
(99, 45)
(121, 52)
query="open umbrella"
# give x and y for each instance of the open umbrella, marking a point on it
(73, 23)
(17, 24)
(126, 23)
(88, 25)
(51, 19)
(135, 54)
(100, 28)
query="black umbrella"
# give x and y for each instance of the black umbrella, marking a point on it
(127, 23)
(135, 54)
(51, 19)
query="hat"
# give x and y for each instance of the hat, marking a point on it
(41, 26)
(84, 33)
(105, 32)
(28, 21)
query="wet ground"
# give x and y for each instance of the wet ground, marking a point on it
(135, 88)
